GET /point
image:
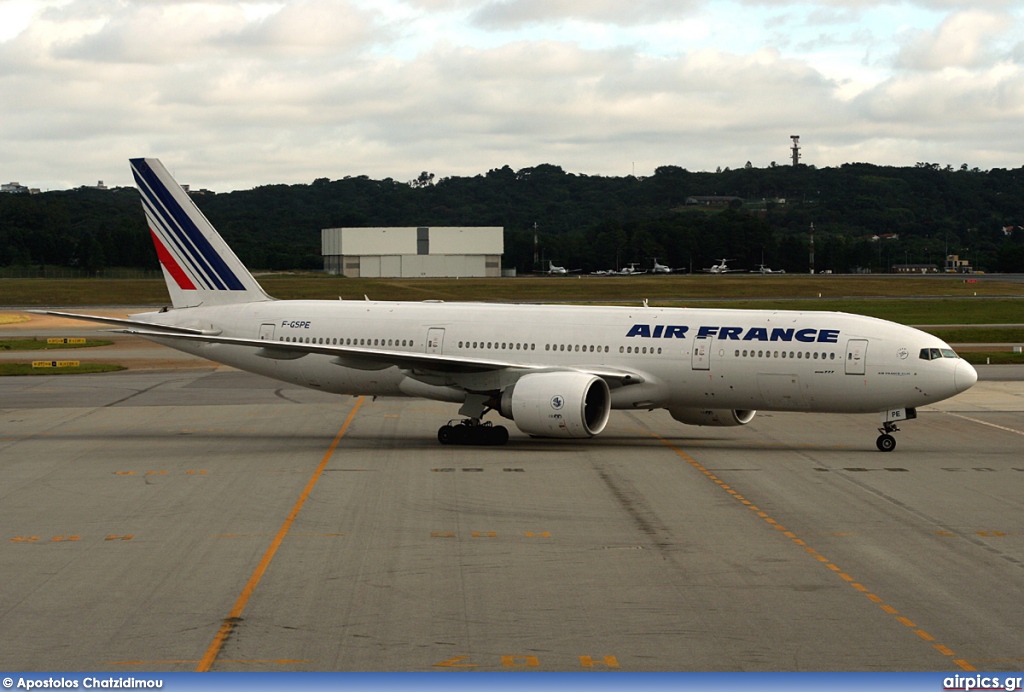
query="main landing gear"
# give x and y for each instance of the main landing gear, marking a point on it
(470, 431)
(886, 442)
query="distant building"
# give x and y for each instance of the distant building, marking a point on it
(413, 252)
(712, 200)
(15, 188)
(914, 269)
(955, 265)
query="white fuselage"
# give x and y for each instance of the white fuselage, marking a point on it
(700, 358)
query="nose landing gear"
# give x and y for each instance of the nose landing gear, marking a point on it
(886, 442)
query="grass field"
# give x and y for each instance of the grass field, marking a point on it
(993, 358)
(908, 300)
(28, 292)
(27, 369)
(42, 345)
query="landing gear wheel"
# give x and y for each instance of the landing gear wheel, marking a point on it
(472, 432)
(886, 442)
(499, 435)
(446, 435)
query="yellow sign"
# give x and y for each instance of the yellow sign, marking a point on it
(66, 340)
(55, 364)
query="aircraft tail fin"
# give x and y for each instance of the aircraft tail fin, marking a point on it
(198, 266)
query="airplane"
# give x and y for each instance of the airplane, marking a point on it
(720, 268)
(762, 269)
(662, 269)
(556, 371)
(554, 269)
(630, 270)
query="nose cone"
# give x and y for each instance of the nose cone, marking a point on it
(964, 376)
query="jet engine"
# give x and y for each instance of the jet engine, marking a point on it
(558, 404)
(713, 417)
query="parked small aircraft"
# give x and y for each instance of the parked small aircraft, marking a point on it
(630, 270)
(555, 269)
(662, 269)
(720, 268)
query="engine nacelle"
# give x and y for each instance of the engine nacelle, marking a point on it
(558, 404)
(713, 417)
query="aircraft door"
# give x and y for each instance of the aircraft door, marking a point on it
(435, 340)
(702, 352)
(266, 332)
(856, 355)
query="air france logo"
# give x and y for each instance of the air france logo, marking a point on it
(557, 402)
(662, 331)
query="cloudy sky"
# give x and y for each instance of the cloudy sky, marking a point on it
(235, 94)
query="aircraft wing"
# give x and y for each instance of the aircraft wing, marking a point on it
(380, 359)
(164, 329)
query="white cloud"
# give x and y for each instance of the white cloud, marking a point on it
(240, 94)
(507, 14)
(965, 39)
(17, 16)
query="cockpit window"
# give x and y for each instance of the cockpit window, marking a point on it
(934, 353)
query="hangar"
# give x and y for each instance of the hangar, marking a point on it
(413, 252)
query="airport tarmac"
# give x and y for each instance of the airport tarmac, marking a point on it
(203, 518)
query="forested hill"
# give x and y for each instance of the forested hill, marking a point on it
(587, 222)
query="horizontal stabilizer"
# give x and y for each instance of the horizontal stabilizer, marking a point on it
(121, 322)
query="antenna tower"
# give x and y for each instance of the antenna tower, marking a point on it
(796, 149)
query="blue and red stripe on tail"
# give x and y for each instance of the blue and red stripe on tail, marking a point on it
(199, 267)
